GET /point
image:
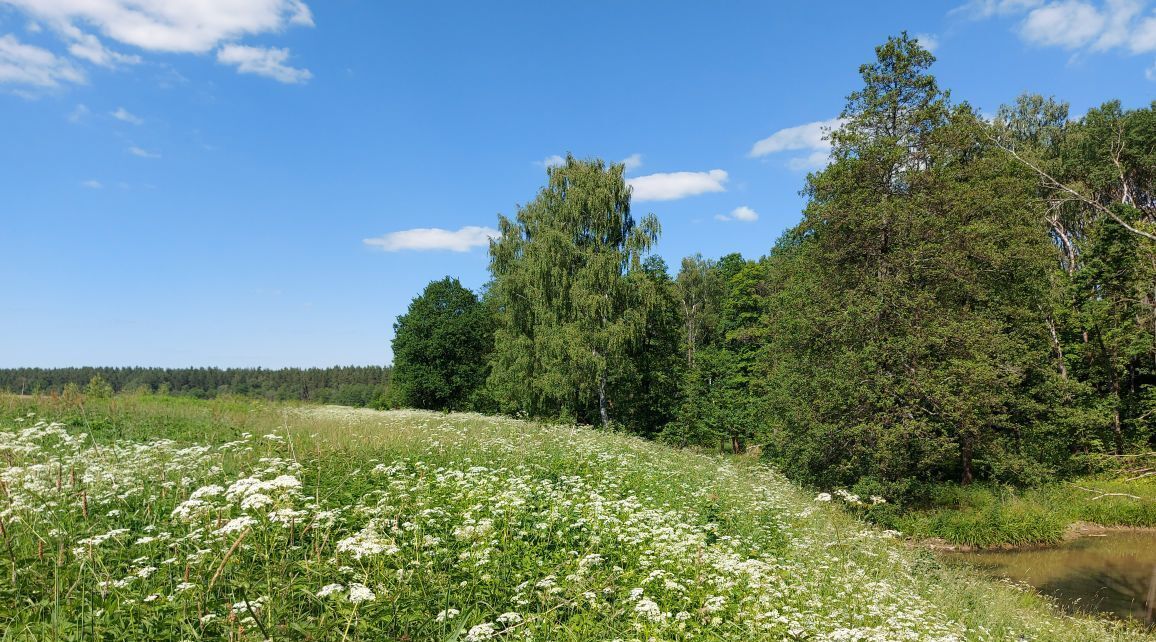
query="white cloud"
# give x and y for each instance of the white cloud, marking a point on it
(124, 115)
(22, 64)
(92, 184)
(143, 153)
(1150, 73)
(810, 136)
(167, 25)
(1086, 25)
(1064, 24)
(263, 61)
(1118, 18)
(741, 213)
(928, 41)
(88, 47)
(174, 26)
(675, 185)
(1143, 39)
(553, 160)
(632, 162)
(435, 238)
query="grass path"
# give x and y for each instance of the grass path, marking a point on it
(171, 519)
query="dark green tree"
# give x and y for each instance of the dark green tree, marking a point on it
(906, 340)
(441, 347)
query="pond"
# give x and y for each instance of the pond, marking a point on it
(1111, 573)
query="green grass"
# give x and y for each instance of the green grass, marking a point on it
(983, 515)
(148, 518)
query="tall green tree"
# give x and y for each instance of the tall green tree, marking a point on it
(441, 347)
(572, 298)
(905, 334)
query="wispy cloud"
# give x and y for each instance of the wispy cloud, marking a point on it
(741, 213)
(173, 27)
(632, 162)
(263, 61)
(434, 238)
(979, 9)
(143, 153)
(675, 185)
(92, 184)
(808, 136)
(811, 137)
(125, 115)
(78, 114)
(88, 47)
(553, 160)
(1075, 25)
(164, 25)
(23, 64)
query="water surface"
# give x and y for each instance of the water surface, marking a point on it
(1101, 574)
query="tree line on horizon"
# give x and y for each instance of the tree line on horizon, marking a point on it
(342, 385)
(963, 299)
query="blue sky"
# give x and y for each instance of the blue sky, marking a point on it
(253, 182)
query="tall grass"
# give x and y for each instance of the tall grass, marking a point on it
(984, 515)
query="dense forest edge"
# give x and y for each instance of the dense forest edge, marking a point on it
(959, 336)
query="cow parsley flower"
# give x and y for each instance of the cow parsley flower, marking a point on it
(330, 589)
(483, 631)
(359, 593)
(447, 614)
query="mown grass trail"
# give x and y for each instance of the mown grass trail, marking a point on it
(158, 519)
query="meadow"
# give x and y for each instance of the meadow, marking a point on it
(154, 518)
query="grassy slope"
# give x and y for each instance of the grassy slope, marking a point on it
(523, 530)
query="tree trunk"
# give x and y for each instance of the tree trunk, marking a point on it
(1117, 429)
(965, 457)
(1058, 347)
(603, 411)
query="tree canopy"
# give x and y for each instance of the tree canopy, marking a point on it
(441, 346)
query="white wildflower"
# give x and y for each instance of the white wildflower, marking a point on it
(361, 593)
(447, 614)
(483, 631)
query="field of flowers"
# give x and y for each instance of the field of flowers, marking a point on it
(147, 519)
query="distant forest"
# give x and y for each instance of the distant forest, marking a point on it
(343, 385)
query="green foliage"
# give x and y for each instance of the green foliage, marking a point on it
(574, 303)
(441, 347)
(98, 388)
